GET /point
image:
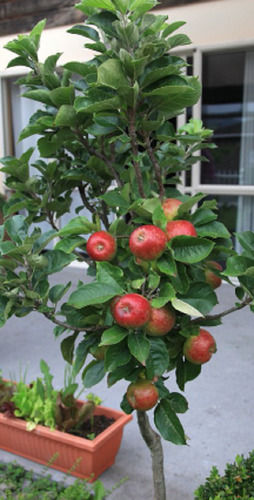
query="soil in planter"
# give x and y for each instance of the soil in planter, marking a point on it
(90, 431)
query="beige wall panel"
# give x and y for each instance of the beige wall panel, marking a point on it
(216, 22)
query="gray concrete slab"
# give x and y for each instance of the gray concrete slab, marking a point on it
(219, 422)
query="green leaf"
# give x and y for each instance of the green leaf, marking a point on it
(238, 265)
(67, 347)
(168, 424)
(93, 373)
(139, 7)
(172, 27)
(82, 69)
(57, 260)
(187, 205)
(170, 98)
(66, 116)
(67, 245)
(185, 372)
(114, 199)
(81, 354)
(62, 95)
(202, 216)
(201, 296)
(139, 346)
(158, 360)
(58, 291)
(178, 402)
(116, 355)
(213, 229)
(185, 308)
(166, 294)
(97, 100)
(39, 95)
(166, 265)
(17, 228)
(111, 74)
(86, 31)
(92, 293)
(108, 274)
(99, 4)
(113, 335)
(78, 225)
(159, 218)
(36, 32)
(179, 39)
(189, 249)
(246, 239)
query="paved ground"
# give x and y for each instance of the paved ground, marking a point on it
(219, 422)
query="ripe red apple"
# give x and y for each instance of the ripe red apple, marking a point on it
(213, 279)
(199, 348)
(142, 395)
(131, 310)
(170, 207)
(161, 321)
(147, 242)
(101, 246)
(180, 228)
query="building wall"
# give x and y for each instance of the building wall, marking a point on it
(207, 23)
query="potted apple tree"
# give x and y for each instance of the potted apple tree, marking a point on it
(154, 256)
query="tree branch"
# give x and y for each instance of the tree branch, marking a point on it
(157, 168)
(245, 303)
(52, 318)
(153, 441)
(134, 146)
(101, 156)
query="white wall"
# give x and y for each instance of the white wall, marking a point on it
(208, 23)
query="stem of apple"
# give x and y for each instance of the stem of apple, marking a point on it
(153, 441)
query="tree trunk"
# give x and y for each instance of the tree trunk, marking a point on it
(153, 441)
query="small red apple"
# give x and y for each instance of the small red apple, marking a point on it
(161, 321)
(199, 348)
(180, 228)
(147, 242)
(170, 207)
(131, 310)
(213, 279)
(101, 246)
(142, 395)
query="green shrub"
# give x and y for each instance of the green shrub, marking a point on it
(16, 482)
(237, 481)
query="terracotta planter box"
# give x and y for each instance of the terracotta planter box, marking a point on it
(78, 456)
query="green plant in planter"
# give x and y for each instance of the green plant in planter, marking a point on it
(237, 481)
(106, 129)
(40, 403)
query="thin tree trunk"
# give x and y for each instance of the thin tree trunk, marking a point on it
(153, 441)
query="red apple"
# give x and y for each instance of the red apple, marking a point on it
(101, 246)
(170, 207)
(161, 321)
(180, 228)
(213, 279)
(131, 310)
(142, 395)
(199, 348)
(147, 242)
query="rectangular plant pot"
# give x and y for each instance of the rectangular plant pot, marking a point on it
(70, 454)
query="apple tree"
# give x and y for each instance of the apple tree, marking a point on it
(106, 129)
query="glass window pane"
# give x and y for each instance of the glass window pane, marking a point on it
(227, 108)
